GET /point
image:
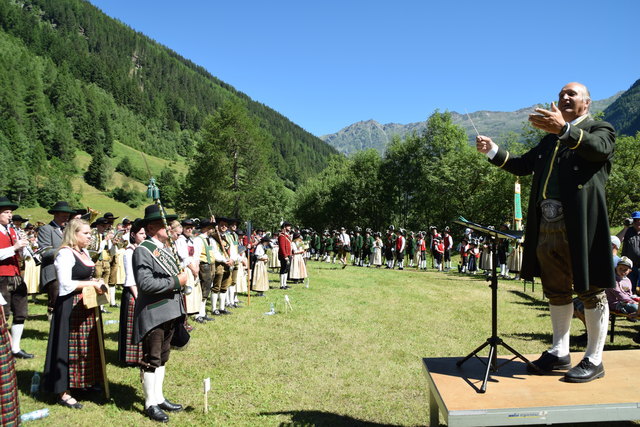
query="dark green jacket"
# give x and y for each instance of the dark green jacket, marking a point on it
(583, 163)
(328, 244)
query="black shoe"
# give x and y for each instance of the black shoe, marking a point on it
(200, 319)
(584, 372)
(548, 362)
(23, 355)
(156, 414)
(225, 312)
(216, 312)
(116, 305)
(207, 318)
(171, 407)
(104, 310)
(66, 403)
(235, 305)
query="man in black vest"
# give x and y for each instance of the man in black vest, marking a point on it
(567, 233)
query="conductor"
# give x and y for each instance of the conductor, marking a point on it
(567, 231)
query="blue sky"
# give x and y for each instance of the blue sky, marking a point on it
(327, 64)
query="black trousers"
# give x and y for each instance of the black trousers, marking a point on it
(14, 291)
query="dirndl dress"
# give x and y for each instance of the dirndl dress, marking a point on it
(260, 277)
(514, 259)
(274, 261)
(241, 279)
(73, 358)
(129, 353)
(9, 404)
(298, 267)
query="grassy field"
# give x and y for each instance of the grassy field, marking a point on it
(348, 354)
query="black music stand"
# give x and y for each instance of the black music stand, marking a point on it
(494, 340)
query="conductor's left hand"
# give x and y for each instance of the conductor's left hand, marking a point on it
(548, 121)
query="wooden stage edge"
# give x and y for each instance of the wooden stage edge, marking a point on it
(514, 397)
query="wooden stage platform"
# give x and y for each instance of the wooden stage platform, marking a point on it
(514, 397)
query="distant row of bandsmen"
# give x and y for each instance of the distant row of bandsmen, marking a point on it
(168, 269)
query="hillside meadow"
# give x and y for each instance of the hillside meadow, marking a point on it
(349, 353)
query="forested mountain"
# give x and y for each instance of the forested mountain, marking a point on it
(371, 134)
(75, 79)
(624, 113)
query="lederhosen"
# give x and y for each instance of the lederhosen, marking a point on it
(73, 359)
(206, 275)
(222, 278)
(9, 404)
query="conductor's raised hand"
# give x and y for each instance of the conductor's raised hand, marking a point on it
(484, 144)
(548, 120)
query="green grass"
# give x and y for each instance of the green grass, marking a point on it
(349, 353)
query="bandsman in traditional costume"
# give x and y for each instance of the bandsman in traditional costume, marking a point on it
(411, 248)
(130, 354)
(224, 265)
(159, 309)
(401, 245)
(327, 246)
(234, 254)
(12, 286)
(422, 250)
(367, 247)
(49, 239)
(284, 253)
(345, 246)
(390, 247)
(203, 252)
(358, 243)
(378, 247)
(186, 249)
(100, 250)
(447, 240)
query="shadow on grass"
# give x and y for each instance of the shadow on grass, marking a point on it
(123, 396)
(321, 418)
(530, 300)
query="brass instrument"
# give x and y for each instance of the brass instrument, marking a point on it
(28, 249)
(93, 214)
(119, 240)
(94, 245)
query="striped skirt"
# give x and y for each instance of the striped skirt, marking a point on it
(128, 353)
(9, 406)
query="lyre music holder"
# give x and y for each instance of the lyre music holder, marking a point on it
(494, 340)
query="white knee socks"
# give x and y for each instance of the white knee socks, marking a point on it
(16, 336)
(596, 320)
(149, 389)
(561, 316)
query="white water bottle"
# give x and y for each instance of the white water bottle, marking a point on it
(35, 415)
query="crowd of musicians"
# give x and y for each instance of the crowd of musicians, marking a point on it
(170, 272)
(174, 275)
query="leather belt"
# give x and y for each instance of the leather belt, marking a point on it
(551, 210)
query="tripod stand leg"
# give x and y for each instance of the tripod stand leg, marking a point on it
(518, 355)
(473, 353)
(490, 367)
